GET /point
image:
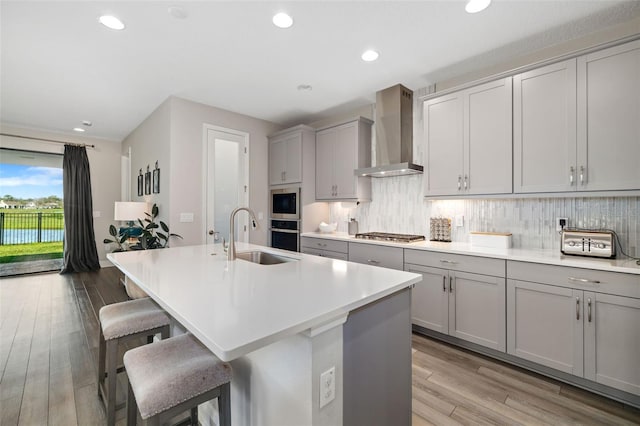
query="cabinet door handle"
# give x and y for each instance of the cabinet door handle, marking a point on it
(374, 262)
(571, 170)
(450, 262)
(466, 178)
(444, 283)
(581, 175)
(577, 308)
(450, 284)
(589, 309)
(459, 182)
(584, 280)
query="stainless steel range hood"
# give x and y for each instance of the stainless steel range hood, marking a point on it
(394, 134)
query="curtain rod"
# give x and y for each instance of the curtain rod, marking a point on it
(48, 140)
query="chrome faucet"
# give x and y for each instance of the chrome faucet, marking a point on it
(231, 251)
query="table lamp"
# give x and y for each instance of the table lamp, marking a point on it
(130, 211)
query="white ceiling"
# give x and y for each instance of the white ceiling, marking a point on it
(59, 66)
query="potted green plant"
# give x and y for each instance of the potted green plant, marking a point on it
(150, 237)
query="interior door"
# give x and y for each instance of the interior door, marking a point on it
(226, 182)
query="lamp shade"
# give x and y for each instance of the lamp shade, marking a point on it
(130, 210)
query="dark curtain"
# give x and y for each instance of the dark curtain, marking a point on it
(80, 253)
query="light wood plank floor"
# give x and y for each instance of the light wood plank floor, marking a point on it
(49, 343)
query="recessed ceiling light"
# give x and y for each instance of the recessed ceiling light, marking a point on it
(474, 6)
(112, 22)
(78, 129)
(305, 87)
(282, 20)
(370, 55)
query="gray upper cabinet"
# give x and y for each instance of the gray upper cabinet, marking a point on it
(468, 138)
(285, 157)
(340, 150)
(544, 133)
(577, 124)
(608, 156)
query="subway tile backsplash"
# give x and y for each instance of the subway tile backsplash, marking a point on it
(398, 206)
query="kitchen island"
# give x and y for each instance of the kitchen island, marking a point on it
(281, 326)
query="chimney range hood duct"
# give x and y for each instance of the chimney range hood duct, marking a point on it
(394, 134)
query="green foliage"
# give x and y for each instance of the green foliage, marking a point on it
(15, 219)
(25, 252)
(151, 237)
(118, 239)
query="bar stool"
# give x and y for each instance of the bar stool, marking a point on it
(173, 376)
(121, 322)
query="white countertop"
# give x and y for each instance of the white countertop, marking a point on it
(237, 307)
(549, 257)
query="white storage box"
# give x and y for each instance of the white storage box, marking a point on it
(491, 239)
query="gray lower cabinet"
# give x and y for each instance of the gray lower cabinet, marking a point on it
(376, 255)
(454, 301)
(325, 247)
(569, 321)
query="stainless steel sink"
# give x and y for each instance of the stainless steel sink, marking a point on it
(263, 258)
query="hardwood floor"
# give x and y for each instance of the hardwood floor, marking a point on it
(452, 386)
(49, 343)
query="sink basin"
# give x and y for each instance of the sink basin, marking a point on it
(263, 258)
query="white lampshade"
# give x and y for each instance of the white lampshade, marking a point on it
(130, 210)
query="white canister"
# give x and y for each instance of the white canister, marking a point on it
(353, 226)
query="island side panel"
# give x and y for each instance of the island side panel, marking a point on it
(377, 363)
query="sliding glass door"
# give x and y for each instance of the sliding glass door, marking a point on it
(31, 215)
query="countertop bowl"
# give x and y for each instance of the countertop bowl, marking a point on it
(327, 227)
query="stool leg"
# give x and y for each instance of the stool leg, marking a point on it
(132, 408)
(194, 416)
(101, 358)
(224, 405)
(165, 332)
(112, 378)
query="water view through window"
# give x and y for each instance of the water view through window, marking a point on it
(31, 212)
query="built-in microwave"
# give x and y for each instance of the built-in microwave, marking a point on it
(284, 203)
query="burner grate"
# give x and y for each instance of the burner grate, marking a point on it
(385, 236)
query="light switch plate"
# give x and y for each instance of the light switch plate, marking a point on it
(459, 220)
(96, 214)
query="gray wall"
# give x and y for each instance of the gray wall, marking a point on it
(173, 134)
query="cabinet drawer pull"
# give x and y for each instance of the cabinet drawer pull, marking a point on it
(577, 308)
(449, 262)
(321, 245)
(450, 284)
(583, 280)
(444, 283)
(375, 262)
(589, 309)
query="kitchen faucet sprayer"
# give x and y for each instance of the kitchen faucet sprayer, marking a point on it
(231, 251)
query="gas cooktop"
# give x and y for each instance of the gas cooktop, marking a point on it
(384, 236)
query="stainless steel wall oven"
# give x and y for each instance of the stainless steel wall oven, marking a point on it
(285, 234)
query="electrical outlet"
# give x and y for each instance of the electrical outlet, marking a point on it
(327, 386)
(561, 222)
(459, 221)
